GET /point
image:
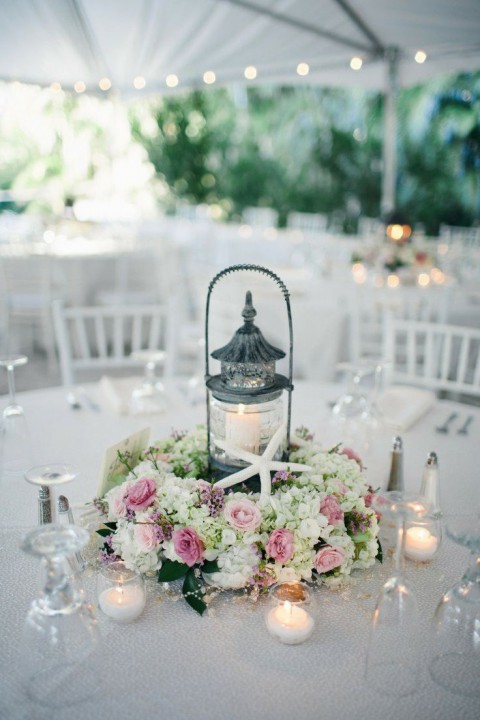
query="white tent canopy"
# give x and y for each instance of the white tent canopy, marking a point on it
(155, 42)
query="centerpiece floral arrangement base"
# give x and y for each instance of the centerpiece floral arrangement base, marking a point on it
(169, 518)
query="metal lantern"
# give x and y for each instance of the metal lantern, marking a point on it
(245, 405)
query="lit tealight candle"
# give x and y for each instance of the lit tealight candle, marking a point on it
(420, 544)
(289, 623)
(243, 429)
(122, 603)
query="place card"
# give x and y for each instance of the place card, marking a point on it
(113, 472)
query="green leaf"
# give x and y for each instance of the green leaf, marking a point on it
(171, 570)
(360, 537)
(210, 566)
(192, 592)
(104, 532)
(379, 556)
(111, 525)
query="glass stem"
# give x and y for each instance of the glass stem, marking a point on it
(11, 384)
(58, 593)
(150, 373)
(400, 545)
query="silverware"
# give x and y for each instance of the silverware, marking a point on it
(444, 428)
(91, 403)
(464, 429)
(73, 402)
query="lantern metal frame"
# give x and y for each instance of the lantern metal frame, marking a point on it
(288, 387)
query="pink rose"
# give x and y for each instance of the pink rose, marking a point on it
(330, 507)
(352, 455)
(188, 545)
(141, 494)
(242, 514)
(368, 499)
(118, 506)
(146, 536)
(280, 545)
(327, 558)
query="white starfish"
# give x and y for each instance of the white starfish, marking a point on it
(259, 464)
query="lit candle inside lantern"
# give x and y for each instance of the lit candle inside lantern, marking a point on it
(420, 544)
(289, 623)
(242, 429)
(122, 603)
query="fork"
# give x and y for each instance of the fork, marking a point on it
(464, 429)
(444, 428)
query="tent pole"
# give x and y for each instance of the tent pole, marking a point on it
(389, 179)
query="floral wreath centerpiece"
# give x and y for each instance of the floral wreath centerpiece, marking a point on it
(241, 504)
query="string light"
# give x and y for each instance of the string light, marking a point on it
(171, 81)
(79, 86)
(55, 87)
(139, 82)
(209, 77)
(105, 84)
(356, 63)
(420, 56)
(250, 72)
(303, 69)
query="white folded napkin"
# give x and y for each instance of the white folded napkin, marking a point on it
(402, 406)
(118, 392)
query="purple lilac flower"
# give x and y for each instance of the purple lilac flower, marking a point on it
(163, 527)
(213, 497)
(357, 522)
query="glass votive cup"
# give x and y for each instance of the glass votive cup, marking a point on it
(121, 592)
(422, 538)
(289, 615)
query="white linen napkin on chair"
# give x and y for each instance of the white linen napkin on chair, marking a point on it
(402, 406)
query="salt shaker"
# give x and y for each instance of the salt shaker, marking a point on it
(395, 480)
(44, 505)
(430, 486)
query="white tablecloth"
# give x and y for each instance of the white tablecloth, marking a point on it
(172, 663)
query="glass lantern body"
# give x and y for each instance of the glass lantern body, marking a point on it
(249, 426)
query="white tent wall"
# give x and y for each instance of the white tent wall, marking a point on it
(177, 41)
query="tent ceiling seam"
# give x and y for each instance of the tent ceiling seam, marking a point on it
(96, 54)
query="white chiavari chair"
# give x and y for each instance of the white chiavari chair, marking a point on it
(433, 355)
(93, 339)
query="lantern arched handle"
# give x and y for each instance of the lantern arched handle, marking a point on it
(286, 295)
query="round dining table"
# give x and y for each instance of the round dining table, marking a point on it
(174, 664)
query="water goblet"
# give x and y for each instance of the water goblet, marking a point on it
(393, 659)
(15, 447)
(60, 636)
(150, 396)
(455, 663)
(47, 478)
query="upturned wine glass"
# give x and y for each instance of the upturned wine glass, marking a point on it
(149, 397)
(393, 659)
(455, 661)
(15, 446)
(59, 644)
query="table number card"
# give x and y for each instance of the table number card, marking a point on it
(113, 472)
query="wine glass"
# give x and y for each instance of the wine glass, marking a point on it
(455, 661)
(15, 450)
(60, 636)
(150, 396)
(47, 477)
(349, 411)
(393, 659)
